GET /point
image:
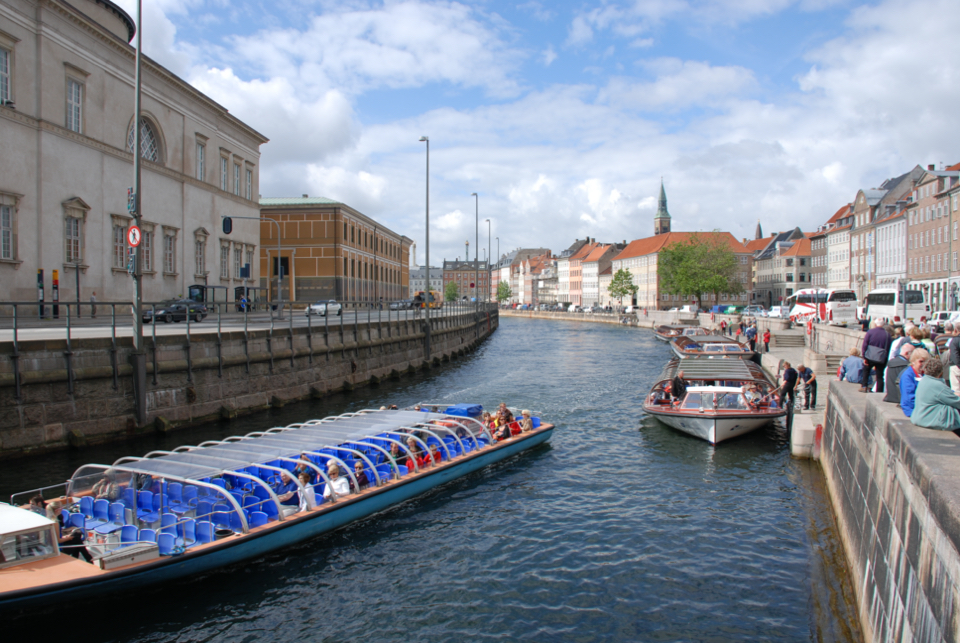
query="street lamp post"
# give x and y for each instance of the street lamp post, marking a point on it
(425, 139)
(476, 250)
(489, 264)
(496, 295)
(138, 357)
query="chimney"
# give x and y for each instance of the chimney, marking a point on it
(932, 167)
(305, 196)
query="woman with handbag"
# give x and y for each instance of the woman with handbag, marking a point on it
(876, 347)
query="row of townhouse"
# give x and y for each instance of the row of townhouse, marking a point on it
(905, 231)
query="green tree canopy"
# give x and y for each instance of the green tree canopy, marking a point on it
(503, 292)
(703, 263)
(622, 285)
(450, 292)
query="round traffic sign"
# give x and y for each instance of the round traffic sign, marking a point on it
(133, 236)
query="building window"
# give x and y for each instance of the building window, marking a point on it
(149, 141)
(8, 231)
(119, 247)
(250, 261)
(201, 153)
(237, 261)
(249, 185)
(146, 251)
(169, 253)
(74, 106)
(74, 228)
(223, 174)
(236, 179)
(224, 262)
(6, 87)
(200, 256)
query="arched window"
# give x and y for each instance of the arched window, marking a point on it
(149, 141)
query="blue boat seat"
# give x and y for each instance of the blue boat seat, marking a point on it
(167, 544)
(204, 509)
(78, 520)
(128, 535)
(188, 532)
(168, 525)
(86, 506)
(148, 535)
(114, 522)
(205, 532)
(175, 490)
(258, 519)
(270, 508)
(536, 423)
(129, 498)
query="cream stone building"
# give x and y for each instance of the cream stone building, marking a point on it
(66, 127)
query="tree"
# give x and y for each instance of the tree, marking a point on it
(503, 292)
(622, 285)
(703, 263)
(450, 293)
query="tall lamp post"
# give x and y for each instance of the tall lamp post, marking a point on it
(496, 295)
(138, 357)
(425, 139)
(489, 264)
(476, 250)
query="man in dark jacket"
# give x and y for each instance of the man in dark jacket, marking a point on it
(876, 346)
(895, 368)
(679, 386)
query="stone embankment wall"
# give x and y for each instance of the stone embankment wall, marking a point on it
(195, 379)
(896, 493)
(653, 318)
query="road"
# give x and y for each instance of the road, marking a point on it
(36, 329)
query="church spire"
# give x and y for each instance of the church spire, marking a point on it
(759, 233)
(661, 222)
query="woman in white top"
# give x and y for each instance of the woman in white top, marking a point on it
(308, 497)
(340, 485)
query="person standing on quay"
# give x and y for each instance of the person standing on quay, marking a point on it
(789, 385)
(876, 347)
(810, 378)
(766, 341)
(93, 305)
(752, 336)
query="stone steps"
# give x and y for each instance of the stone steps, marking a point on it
(788, 341)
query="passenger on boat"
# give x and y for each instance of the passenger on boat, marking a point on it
(487, 421)
(37, 505)
(362, 480)
(303, 468)
(340, 485)
(415, 455)
(435, 454)
(503, 432)
(288, 491)
(678, 386)
(526, 423)
(308, 499)
(395, 452)
(107, 489)
(71, 538)
(394, 407)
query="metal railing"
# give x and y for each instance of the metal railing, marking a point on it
(22, 321)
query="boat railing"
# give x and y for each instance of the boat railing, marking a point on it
(39, 490)
(443, 443)
(316, 424)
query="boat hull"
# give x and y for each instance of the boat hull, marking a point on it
(714, 428)
(296, 529)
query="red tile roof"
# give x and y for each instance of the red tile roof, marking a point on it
(839, 214)
(800, 248)
(756, 245)
(651, 245)
(596, 253)
(584, 251)
(608, 271)
(953, 168)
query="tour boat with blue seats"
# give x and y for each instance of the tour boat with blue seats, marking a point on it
(709, 347)
(666, 332)
(722, 398)
(175, 514)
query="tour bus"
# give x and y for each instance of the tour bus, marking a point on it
(805, 304)
(841, 308)
(888, 304)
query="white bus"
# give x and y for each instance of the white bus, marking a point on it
(805, 304)
(841, 307)
(888, 304)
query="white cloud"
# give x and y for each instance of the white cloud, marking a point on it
(548, 55)
(678, 84)
(579, 33)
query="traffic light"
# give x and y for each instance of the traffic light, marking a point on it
(227, 225)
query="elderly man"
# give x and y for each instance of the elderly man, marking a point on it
(876, 344)
(678, 386)
(935, 406)
(895, 369)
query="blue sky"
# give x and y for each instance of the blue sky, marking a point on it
(564, 116)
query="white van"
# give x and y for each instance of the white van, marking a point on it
(888, 304)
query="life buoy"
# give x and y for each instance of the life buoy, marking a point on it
(809, 326)
(713, 316)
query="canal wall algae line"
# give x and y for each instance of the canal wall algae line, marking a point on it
(896, 494)
(204, 377)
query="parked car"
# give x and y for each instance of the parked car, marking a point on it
(631, 310)
(576, 308)
(323, 307)
(778, 311)
(402, 304)
(175, 310)
(753, 310)
(589, 309)
(939, 318)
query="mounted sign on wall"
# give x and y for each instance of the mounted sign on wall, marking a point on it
(133, 236)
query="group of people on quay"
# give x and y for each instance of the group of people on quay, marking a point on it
(910, 366)
(746, 331)
(297, 489)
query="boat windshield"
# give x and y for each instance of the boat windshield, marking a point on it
(733, 348)
(714, 348)
(731, 402)
(692, 401)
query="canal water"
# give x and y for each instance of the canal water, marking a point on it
(619, 529)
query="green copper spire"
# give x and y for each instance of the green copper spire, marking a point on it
(662, 206)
